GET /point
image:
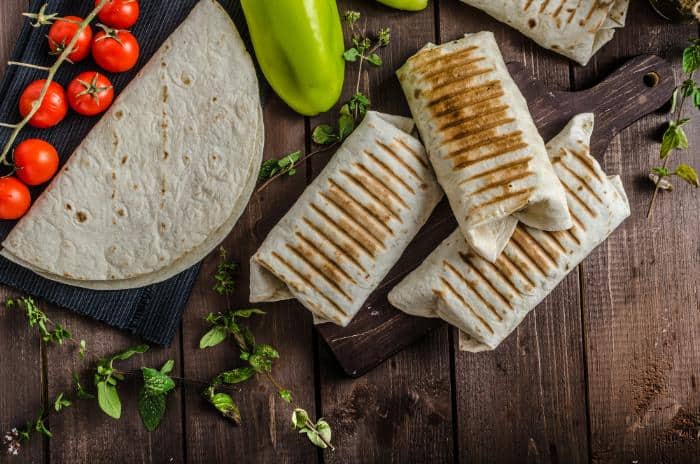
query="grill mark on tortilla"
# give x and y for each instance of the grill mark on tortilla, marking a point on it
(459, 79)
(470, 285)
(544, 6)
(561, 233)
(319, 251)
(527, 5)
(388, 171)
(525, 162)
(465, 103)
(347, 253)
(318, 271)
(583, 183)
(587, 163)
(577, 222)
(544, 245)
(555, 236)
(423, 61)
(534, 250)
(559, 9)
(343, 230)
(412, 152)
(502, 182)
(462, 93)
(382, 185)
(498, 140)
(450, 67)
(479, 130)
(526, 260)
(507, 263)
(387, 149)
(501, 199)
(370, 245)
(376, 197)
(466, 305)
(307, 281)
(459, 164)
(473, 117)
(506, 301)
(578, 200)
(359, 211)
(505, 278)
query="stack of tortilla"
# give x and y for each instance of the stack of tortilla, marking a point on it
(163, 177)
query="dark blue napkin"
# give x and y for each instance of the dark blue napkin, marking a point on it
(152, 312)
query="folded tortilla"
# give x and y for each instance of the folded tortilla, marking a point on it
(576, 29)
(351, 224)
(163, 177)
(487, 300)
(482, 142)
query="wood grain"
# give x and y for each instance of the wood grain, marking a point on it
(640, 289)
(380, 416)
(22, 384)
(524, 401)
(265, 435)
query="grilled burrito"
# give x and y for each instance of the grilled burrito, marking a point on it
(576, 29)
(487, 300)
(163, 177)
(482, 142)
(351, 224)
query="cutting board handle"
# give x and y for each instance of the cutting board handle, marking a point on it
(641, 86)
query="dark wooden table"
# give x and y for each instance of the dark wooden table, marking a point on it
(607, 369)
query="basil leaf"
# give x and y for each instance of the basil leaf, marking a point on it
(108, 399)
(688, 174)
(151, 409)
(237, 375)
(123, 356)
(215, 336)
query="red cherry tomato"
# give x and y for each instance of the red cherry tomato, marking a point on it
(115, 50)
(62, 32)
(53, 108)
(36, 161)
(15, 198)
(120, 14)
(90, 93)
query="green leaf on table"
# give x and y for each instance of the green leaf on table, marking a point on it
(286, 395)
(225, 275)
(155, 382)
(151, 409)
(359, 104)
(323, 432)
(238, 375)
(213, 337)
(167, 368)
(83, 349)
(129, 353)
(299, 418)
(384, 37)
(688, 174)
(691, 58)
(346, 122)
(247, 312)
(375, 59)
(268, 169)
(674, 138)
(262, 357)
(225, 405)
(661, 171)
(40, 426)
(351, 54)
(108, 399)
(273, 167)
(60, 403)
(324, 134)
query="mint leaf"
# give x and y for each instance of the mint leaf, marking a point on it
(155, 382)
(324, 135)
(324, 430)
(300, 418)
(674, 138)
(124, 355)
(167, 367)
(237, 375)
(151, 409)
(268, 169)
(215, 336)
(688, 174)
(691, 59)
(225, 405)
(108, 399)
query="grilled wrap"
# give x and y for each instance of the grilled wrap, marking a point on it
(487, 300)
(576, 29)
(351, 224)
(482, 142)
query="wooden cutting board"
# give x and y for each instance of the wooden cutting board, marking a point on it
(641, 86)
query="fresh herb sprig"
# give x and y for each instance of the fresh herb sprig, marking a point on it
(50, 331)
(674, 137)
(363, 50)
(259, 359)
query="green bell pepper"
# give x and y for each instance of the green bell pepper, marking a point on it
(299, 46)
(407, 5)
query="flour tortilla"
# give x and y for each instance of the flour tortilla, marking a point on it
(488, 301)
(482, 142)
(351, 225)
(163, 177)
(576, 29)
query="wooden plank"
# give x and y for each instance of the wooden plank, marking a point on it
(83, 433)
(266, 434)
(525, 400)
(21, 393)
(640, 288)
(400, 411)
